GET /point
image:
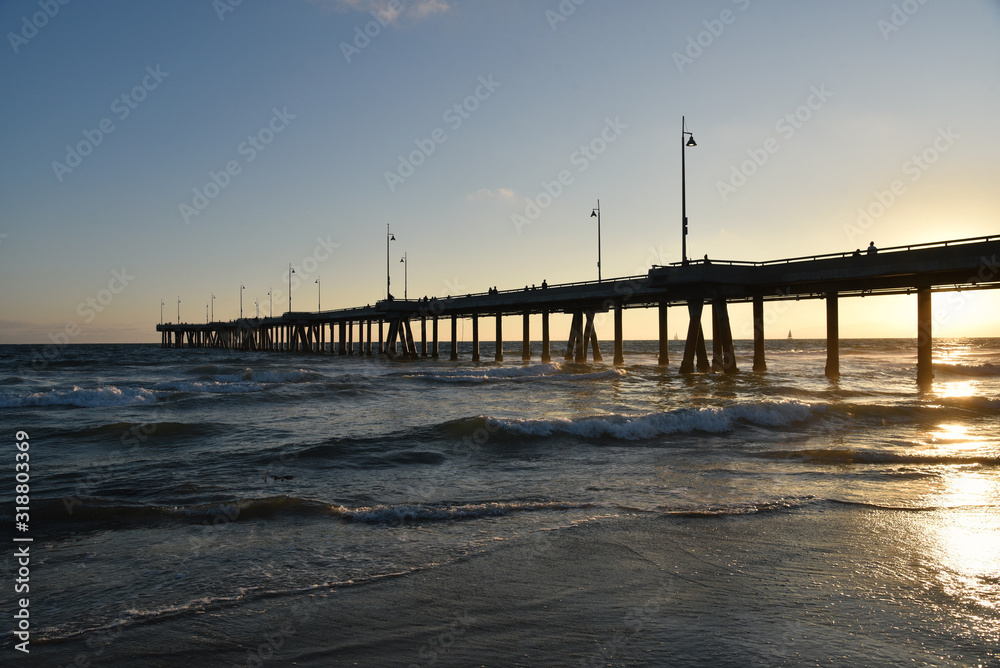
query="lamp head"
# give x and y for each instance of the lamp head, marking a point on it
(392, 237)
(593, 214)
(691, 141)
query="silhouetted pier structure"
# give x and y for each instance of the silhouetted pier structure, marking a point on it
(962, 264)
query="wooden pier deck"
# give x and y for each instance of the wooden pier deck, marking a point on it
(962, 264)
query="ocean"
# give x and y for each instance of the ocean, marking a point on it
(222, 508)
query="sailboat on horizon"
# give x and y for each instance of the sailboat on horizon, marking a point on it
(789, 334)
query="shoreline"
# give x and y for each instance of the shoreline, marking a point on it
(772, 588)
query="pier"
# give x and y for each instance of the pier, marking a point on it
(921, 269)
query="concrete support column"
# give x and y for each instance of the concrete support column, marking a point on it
(475, 337)
(759, 363)
(525, 337)
(578, 337)
(435, 349)
(498, 356)
(342, 339)
(925, 338)
(722, 338)
(574, 326)
(546, 356)
(590, 338)
(411, 348)
(381, 340)
(423, 336)
(695, 307)
(664, 356)
(619, 343)
(454, 338)
(832, 336)
(350, 338)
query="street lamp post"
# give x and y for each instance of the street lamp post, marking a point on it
(206, 313)
(405, 267)
(389, 236)
(319, 295)
(290, 272)
(684, 219)
(161, 311)
(270, 312)
(178, 310)
(596, 213)
(242, 288)
(213, 307)
(256, 303)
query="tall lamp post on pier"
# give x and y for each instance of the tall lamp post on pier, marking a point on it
(596, 213)
(270, 312)
(242, 288)
(161, 311)
(178, 310)
(684, 218)
(290, 272)
(405, 266)
(319, 295)
(213, 307)
(206, 313)
(389, 236)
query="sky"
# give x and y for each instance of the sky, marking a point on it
(156, 152)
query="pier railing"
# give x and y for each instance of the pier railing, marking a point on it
(827, 256)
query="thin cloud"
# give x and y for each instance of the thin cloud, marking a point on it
(389, 11)
(487, 194)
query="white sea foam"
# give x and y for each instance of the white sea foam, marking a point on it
(208, 386)
(651, 425)
(107, 395)
(416, 512)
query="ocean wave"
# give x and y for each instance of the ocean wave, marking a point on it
(652, 425)
(840, 457)
(108, 395)
(132, 432)
(552, 371)
(744, 508)
(208, 386)
(278, 376)
(381, 514)
(984, 369)
(110, 514)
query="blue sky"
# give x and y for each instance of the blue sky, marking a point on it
(262, 134)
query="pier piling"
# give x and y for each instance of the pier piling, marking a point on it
(832, 336)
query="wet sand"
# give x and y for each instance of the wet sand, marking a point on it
(827, 585)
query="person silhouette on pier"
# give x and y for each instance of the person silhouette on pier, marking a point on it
(707, 261)
(871, 248)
